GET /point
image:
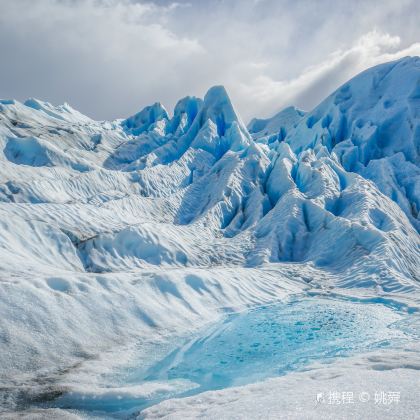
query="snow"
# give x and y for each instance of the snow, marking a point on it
(151, 228)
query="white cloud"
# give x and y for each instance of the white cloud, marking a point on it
(316, 81)
(109, 58)
(100, 56)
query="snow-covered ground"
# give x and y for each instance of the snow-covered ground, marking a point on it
(121, 241)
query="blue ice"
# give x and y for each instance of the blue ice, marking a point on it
(253, 345)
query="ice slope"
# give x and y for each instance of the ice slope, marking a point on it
(372, 125)
(119, 231)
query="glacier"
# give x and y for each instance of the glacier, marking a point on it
(122, 240)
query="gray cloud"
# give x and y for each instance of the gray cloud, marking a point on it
(108, 58)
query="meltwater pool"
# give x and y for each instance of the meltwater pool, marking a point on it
(246, 347)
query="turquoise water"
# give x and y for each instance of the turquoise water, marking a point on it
(249, 346)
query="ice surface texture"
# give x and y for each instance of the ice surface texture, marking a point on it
(244, 348)
(114, 230)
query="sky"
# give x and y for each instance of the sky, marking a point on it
(110, 58)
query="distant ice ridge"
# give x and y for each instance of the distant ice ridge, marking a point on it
(163, 221)
(275, 128)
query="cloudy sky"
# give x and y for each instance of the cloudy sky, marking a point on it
(109, 58)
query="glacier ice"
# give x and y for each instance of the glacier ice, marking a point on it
(370, 124)
(115, 232)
